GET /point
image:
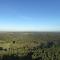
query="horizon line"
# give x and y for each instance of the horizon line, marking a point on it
(28, 31)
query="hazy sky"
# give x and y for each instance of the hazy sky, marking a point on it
(29, 15)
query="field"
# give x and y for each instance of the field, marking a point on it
(29, 45)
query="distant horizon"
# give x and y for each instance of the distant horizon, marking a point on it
(29, 31)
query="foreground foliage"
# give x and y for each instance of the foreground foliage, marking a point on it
(30, 46)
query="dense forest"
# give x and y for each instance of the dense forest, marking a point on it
(29, 45)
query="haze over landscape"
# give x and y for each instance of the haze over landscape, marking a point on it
(29, 29)
(29, 15)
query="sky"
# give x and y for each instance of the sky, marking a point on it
(29, 15)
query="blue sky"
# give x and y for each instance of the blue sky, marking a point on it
(29, 15)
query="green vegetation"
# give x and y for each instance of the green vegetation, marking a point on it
(30, 45)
